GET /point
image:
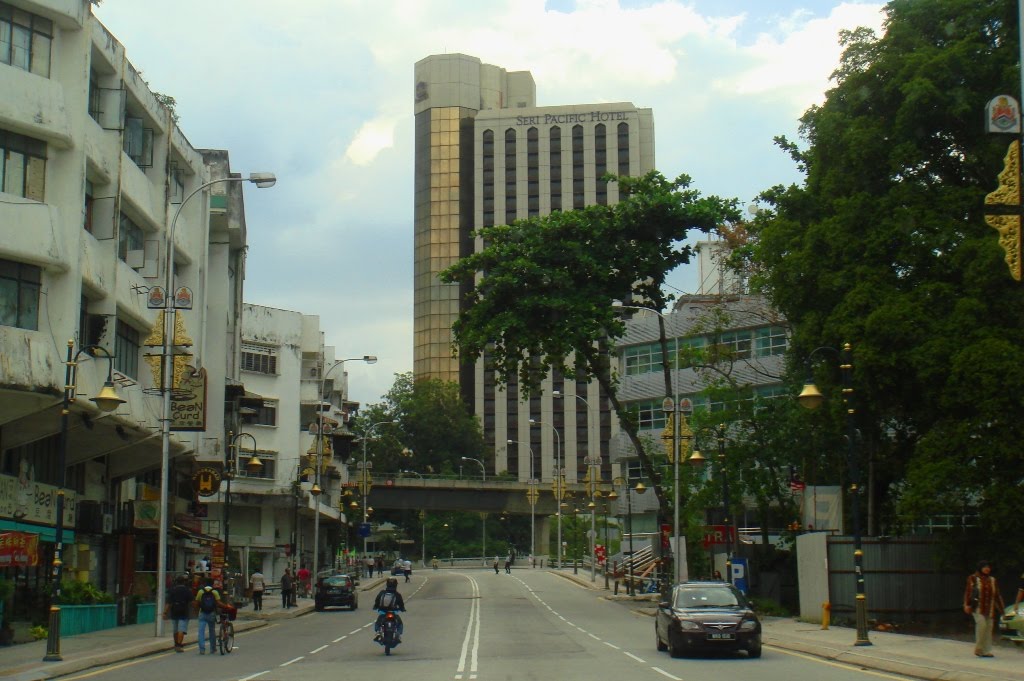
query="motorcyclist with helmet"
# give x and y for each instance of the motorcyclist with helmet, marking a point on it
(389, 599)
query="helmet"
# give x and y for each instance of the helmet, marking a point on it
(392, 583)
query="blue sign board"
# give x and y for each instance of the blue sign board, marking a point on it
(364, 529)
(739, 574)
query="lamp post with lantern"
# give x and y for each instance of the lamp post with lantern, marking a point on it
(230, 469)
(531, 495)
(107, 401)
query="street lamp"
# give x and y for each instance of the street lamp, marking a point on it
(230, 468)
(639, 489)
(107, 400)
(811, 398)
(531, 495)
(559, 477)
(364, 477)
(592, 462)
(671, 404)
(262, 181)
(609, 498)
(483, 514)
(697, 459)
(320, 433)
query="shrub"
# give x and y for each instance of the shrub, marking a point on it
(39, 632)
(768, 607)
(82, 593)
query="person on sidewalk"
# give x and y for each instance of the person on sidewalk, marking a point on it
(258, 584)
(208, 602)
(508, 565)
(495, 565)
(983, 601)
(287, 588)
(179, 600)
(303, 576)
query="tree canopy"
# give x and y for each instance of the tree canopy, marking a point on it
(885, 246)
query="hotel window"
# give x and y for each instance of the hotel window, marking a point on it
(533, 172)
(126, 350)
(129, 238)
(771, 340)
(19, 295)
(510, 175)
(488, 172)
(601, 163)
(623, 149)
(259, 358)
(22, 165)
(555, 162)
(25, 40)
(578, 197)
(267, 414)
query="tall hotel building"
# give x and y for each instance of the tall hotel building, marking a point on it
(486, 154)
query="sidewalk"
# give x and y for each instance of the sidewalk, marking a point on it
(24, 662)
(933, 659)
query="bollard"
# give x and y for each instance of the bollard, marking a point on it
(616, 587)
(826, 611)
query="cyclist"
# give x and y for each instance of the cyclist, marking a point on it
(208, 602)
(389, 599)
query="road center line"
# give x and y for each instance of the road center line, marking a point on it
(253, 676)
(303, 657)
(592, 636)
(339, 639)
(612, 645)
(638, 659)
(355, 631)
(317, 650)
(665, 673)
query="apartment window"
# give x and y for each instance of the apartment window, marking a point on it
(25, 40)
(19, 295)
(259, 358)
(649, 414)
(770, 340)
(22, 165)
(95, 97)
(89, 194)
(177, 185)
(268, 471)
(138, 142)
(126, 350)
(129, 238)
(267, 414)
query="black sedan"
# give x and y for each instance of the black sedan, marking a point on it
(707, 616)
(336, 591)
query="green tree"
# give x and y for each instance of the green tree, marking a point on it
(884, 246)
(545, 302)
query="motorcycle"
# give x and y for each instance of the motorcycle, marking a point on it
(388, 636)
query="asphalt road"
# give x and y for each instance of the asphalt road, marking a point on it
(474, 625)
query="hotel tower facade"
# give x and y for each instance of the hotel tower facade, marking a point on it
(486, 154)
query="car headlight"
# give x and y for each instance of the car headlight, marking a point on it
(748, 625)
(687, 625)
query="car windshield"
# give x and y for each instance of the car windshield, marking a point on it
(706, 597)
(337, 580)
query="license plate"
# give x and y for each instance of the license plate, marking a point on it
(720, 636)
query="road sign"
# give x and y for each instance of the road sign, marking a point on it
(364, 529)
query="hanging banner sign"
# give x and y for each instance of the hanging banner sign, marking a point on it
(188, 401)
(33, 502)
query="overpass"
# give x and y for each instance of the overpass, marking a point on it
(447, 494)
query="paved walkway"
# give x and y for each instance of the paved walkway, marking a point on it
(933, 659)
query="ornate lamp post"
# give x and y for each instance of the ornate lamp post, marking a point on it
(365, 481)
(593, 464)
(559, 480)
(483, 515)
(611, 497)
(262, 181)
(811, 398)
(698, 459)
(230, 469)
(638, 489)
(107, 400)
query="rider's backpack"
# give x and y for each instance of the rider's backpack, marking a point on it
(387, 600)
(208, 602)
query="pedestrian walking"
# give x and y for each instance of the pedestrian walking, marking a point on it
(258, 585)
(984, 603)
(495, 565)
(380, 565)
(303, 581)
(433, 562)
(508, 565)
(208, 602)
(287, 588)
(179, 600)
(407, 569)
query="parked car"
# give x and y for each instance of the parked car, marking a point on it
(336, 591)
(1011, 625)
(707, 616)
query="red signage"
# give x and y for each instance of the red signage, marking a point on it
(718, 534)
(666, 536)
(19, 549)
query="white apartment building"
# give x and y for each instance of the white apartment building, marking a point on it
(285, 361)
(93, 167)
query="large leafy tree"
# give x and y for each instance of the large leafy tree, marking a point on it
(541, 289)
(885, 246)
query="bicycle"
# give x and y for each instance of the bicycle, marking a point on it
(225, 639)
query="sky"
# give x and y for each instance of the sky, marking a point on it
(320, 92)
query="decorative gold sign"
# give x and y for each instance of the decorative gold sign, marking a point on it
(206, 481)
(1005, 217)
